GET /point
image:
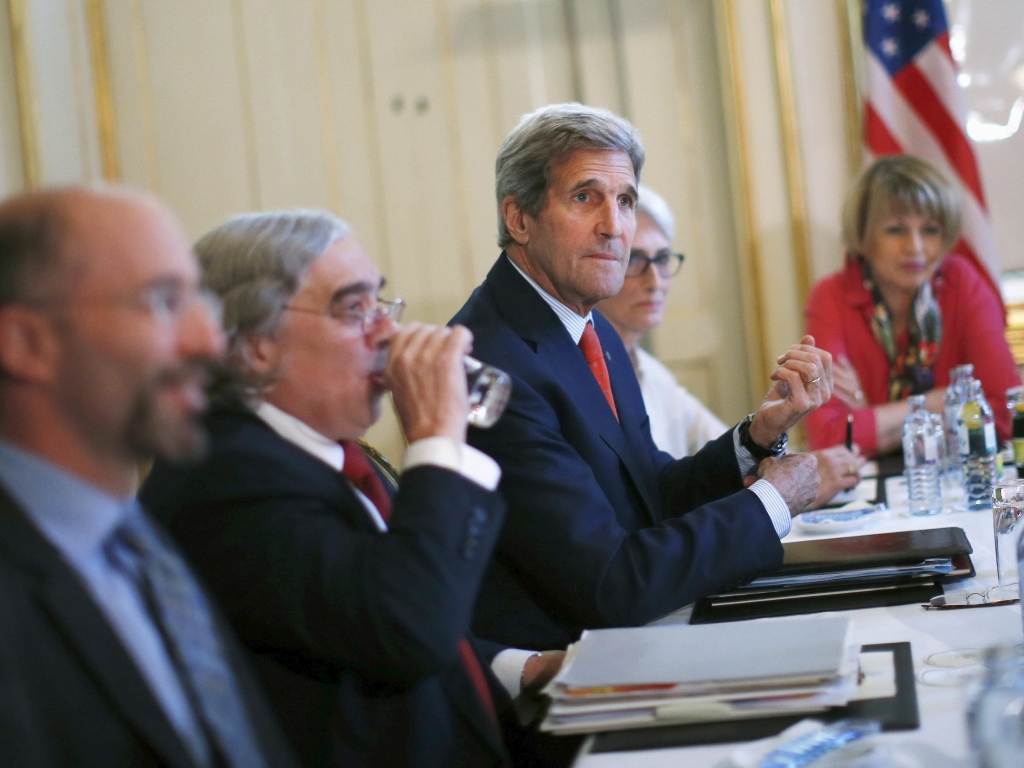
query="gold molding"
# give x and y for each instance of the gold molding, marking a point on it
(853, 82)
(756, 321)
(326, 103)
(28, 118)
(102, 89)
(792, 150)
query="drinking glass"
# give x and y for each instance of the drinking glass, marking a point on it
(489, 391)
(1007, 510)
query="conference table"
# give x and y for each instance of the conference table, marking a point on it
(945, 680)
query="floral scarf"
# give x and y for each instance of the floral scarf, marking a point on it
(912, 371)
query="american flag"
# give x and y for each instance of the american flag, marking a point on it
(913, 105)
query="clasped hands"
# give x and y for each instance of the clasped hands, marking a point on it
(802, 382)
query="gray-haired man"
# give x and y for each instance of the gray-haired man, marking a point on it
(603, 529)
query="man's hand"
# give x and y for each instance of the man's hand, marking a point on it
(540, 669)
(803, 381)
(428, 381)
(838, 469)
(795, 477)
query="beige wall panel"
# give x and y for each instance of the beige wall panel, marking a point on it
(477, 113)
(197, 114)
(358, 184)
(129, 80)
(532, 56)
(816, 41)
(420, 191)
(55, 48)
(595, 33)
(287, 111)
(11, 174)
(699, 377)
(673, 89)
(770, 224)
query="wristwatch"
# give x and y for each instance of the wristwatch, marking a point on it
(759, 452)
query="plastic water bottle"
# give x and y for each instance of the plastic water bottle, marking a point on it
(954, 403)
(922, 439)
(978, 447)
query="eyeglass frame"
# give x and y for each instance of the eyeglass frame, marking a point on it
(662, 257)
(364, 320)
(168, 302)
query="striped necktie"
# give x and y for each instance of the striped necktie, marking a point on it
(182, 615)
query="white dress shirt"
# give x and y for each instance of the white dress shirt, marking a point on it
(774, 504)
(441, 452)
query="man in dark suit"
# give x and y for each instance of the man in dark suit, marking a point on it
(603, 529)
(110, 653)
(355, 605)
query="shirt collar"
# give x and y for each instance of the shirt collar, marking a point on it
(573, 323)
(75, 516)
(301, 434)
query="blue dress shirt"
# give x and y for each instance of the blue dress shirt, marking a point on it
(77, 518)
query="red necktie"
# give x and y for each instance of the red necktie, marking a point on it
(591, 346)
(360, 472)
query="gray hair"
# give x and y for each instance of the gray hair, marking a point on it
(653, 205)
(543, 138)
(256, 261)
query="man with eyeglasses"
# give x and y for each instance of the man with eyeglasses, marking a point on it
(603, 529)
(354, 598)
(111, 654)
(680, 423)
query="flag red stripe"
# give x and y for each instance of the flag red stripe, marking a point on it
(922, 97)
(964, 249)
(877, 137)
(942, 40)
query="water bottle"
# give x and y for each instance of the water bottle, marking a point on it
(922, 437)
(954, 403)
(978, 447)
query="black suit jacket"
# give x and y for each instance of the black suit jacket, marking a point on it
(355, 633)
(603, 529)
(70, 695)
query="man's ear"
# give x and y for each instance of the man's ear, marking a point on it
(516, 220)
(29, 347)
(261, 355)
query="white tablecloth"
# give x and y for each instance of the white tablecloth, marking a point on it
(942, 740)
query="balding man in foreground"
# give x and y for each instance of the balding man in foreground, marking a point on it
(603, 529)
(110, 653)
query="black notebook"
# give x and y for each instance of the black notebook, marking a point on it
(849, 572)
(896, 713)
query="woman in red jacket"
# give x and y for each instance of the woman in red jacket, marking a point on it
(901, 314)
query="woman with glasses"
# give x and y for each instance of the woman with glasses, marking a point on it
(903, 311)
(680, 423)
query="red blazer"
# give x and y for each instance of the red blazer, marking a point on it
(973, 331)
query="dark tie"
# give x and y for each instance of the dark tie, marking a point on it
(182, 615)
(362, 475)
(591, 346)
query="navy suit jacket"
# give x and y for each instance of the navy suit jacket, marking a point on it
(70, 694)
(603, 529)
(355, 633)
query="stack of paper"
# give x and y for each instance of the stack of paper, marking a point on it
(631, 678)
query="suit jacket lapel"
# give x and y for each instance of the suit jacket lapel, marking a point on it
(466, 699)
(535, 322)
(88, 633)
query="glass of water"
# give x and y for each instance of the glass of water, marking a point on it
(489, 391)
(1007, 511)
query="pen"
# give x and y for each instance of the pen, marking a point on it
(849, 431)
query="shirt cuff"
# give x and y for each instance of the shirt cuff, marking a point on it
(744, 458)
(446, 453)
(774, 505)
(508, 667)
